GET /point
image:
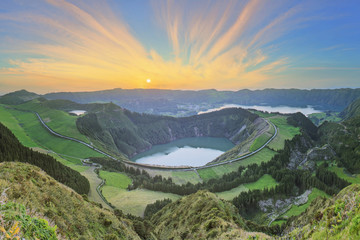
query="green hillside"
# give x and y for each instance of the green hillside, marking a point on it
(352, 110)
(73, 216)
(18, 97)
(12, 150)
(201, 216)
(335, 218)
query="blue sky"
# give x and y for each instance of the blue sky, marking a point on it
(59, 45)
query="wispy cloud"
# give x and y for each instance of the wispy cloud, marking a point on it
(329, 68)
(213, 44)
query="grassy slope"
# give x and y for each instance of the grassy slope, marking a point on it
(262, 139)
(215, 172)
(336, 218)
(265, 181)
(59, 121)
(201, 216)
(73, 216)
(12, 123)
(319, 118)
(135, 201)
(297, 210)
(94, 181)
(340, 172)
(33, 128)
(285, 132)
(116, 179)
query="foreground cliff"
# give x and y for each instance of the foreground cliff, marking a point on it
(201, 216)
(45, 198)
(336, 218)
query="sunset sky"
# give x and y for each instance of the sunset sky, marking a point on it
(58, 45)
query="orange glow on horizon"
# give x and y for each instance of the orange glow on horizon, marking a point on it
(91, 49)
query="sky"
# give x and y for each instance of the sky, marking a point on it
(86, 45)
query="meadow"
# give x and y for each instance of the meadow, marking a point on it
(297, 210)
(264, 155)
(285, 132)
(265, 181)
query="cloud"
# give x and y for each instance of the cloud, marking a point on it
(81, 44)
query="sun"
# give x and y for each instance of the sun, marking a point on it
(148, 80)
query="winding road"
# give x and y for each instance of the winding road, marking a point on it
(181, 168)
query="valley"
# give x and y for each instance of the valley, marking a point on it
(122, 188)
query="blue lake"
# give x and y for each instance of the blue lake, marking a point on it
(196, 151)
(281, 109)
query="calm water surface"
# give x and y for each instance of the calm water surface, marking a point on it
(78, 112)
(281, 109)
(187, 151)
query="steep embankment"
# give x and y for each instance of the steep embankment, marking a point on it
(336, 218)
(201, 216)
(127, 132)
(63, 207)
(352, 110)
(12, 150)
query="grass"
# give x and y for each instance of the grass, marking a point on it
(94, 181)
(340, 172)
(319, 118)
(297, 210)
(116, 179)
(259, 142)
(264, 155)
(178, 177)
(285, 132)
(265, 181)
(59, 121)
(12, 123)
(33, 128)
(135, 201)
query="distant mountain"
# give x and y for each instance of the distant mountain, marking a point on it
(352, 110)
(176, 101)
(18, 97)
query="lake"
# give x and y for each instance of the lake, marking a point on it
(195, 152)
(78, 112)
(281, 109)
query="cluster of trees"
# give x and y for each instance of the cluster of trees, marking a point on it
(300, 120)
(343, 138)
(153, 208)
(276, 167)
(12, 150)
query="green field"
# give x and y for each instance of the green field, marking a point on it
(297, 210)
(135, 201)
(33, 129)
(319, 118)
(59, 121)
(265, 181)
(115, 179)
(178, 177)
(94, 181)
(285, 132)
(259, 141)
(12, 123)
(264, 155)
(340, 172)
